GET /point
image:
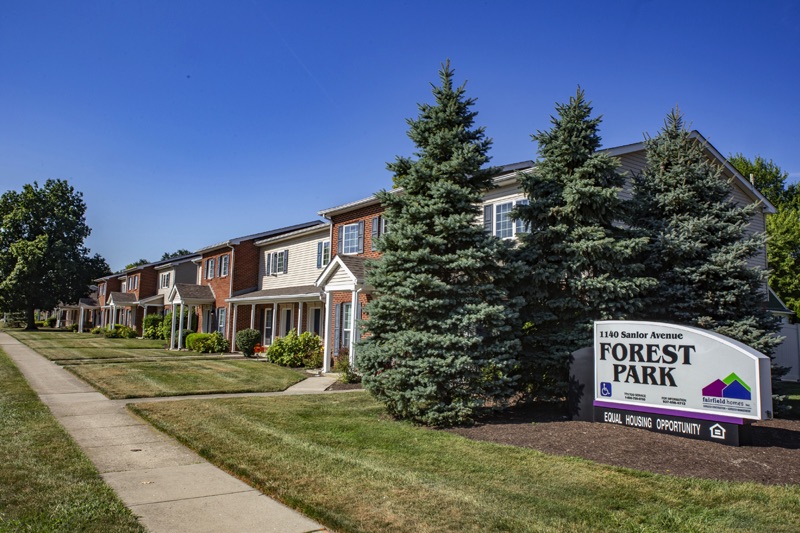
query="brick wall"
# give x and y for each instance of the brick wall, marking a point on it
(366, 214)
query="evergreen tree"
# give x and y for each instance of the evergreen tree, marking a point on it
(700, 245)
(440, 342)
(579, 260)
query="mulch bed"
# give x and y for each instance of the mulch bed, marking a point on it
(774, 457)
(345, 386)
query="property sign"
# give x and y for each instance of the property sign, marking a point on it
(679, 371)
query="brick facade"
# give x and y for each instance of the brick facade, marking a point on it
(367, 214)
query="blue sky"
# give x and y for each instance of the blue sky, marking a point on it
(188, 123)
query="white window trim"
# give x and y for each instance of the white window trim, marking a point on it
(356, 227)
(514, 201)
(225, 261)
(210, 266)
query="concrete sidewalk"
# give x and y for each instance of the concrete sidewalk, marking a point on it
(169, 487)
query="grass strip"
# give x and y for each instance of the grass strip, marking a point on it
(175, 378)
(46, 482)
(340, 460)
(70, 339)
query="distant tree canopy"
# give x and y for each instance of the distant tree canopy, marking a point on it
(140, 262)
(176, 253)
(43, 260)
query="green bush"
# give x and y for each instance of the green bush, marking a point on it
(97, 331)
(151, 326)
(207, 342)
(246, 340)
(342, 366)
(120, 332)
(165, 328)
(296, 350)
(51, 322)
(73, 327)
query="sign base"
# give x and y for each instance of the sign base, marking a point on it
(693, 428)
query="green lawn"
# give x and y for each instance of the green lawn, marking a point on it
(71, 354)
(173, 378)
(69, 339)
(340, 460)
(46, 483)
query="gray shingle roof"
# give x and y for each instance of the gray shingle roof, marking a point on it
(123, 298)
(356, 265)
(277, 293)
(190, 291)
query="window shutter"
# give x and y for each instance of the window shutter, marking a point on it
(487, 218)
(376, 232)
(285, 261)
(384, 226)
(319, 254)
(337, 328)
(268, 264)
(361, 237)
(274, 263)
(340, 244)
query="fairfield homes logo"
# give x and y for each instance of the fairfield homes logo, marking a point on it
(731, 394)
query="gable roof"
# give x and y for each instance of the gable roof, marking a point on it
(354, 267)
(190, 292)
(319, 227)
(745, 184)
(122, 298)
(277, 294)
(261, 235)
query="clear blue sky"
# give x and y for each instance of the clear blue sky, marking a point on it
(186, 123)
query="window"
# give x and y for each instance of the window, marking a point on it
(223, 265)
(124, 287)
(276, 263)
(323, 253)
(133, 283)
(503, 224)
(165, 280)
(210, 268)
(347, 331)
(315, 320)
(267, 326)
(351, 238)
(221, 312)
(497, 220)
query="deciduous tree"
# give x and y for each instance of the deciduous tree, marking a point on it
(43, 260)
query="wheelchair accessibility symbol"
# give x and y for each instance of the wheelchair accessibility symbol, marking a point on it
(605, 389)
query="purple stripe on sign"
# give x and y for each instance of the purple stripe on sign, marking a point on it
(669, 412)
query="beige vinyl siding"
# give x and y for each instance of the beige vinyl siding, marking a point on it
(340, 278)
(757, 223)
(630, 165)
(302, 268)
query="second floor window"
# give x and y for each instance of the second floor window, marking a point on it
(323, 253)
(223, 265)
(133, 283)
(351, 238)
(497, 220)
(276, 263)
(165, 280)
(210, 268)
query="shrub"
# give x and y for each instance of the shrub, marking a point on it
(119, 332)
(296, 350)
(246, 340)
(40, 323)
(151, 326)
(51, 322)
(207, 342)
(342, 366)
(73, 327)
(97, 331)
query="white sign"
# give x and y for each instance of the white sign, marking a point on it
(669, 368)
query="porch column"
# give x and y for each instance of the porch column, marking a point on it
(233, 327)
(172, 331)
(80, 320)
(274, 321)
(326, 356)
(113, 316)
(180, 330)
(299, 317)
(353, 311)
(252, 316)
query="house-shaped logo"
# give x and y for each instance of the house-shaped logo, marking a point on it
(717, 432)
(732, 387)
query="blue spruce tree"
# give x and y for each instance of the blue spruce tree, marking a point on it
(440, 341)
(581, 263)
